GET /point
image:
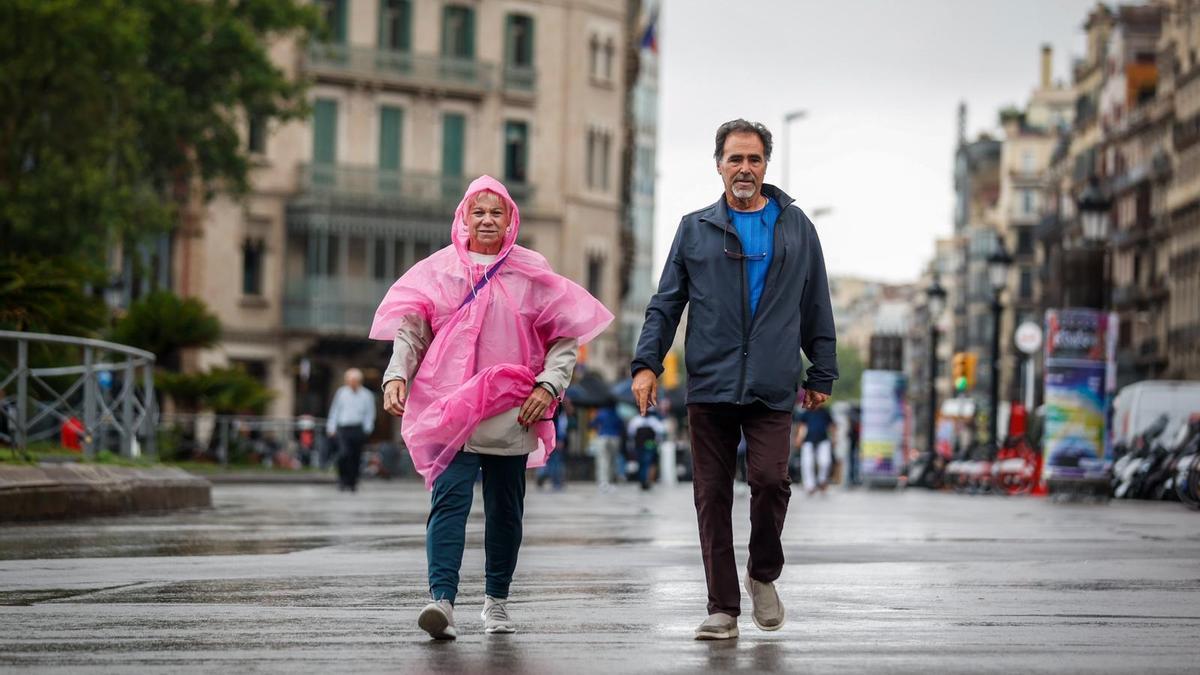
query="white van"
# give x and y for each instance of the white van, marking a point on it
(1138, 405)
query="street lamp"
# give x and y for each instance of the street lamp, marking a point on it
(936, 296)
(998, 264)
(788, 118)
(1093, 214)
(1094, 221)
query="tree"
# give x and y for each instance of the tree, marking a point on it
(165, 324)
(44, 295)
(848, 386)
(113, 113)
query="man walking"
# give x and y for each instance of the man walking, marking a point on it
(814, 433)
(752, 268)
(351, 420)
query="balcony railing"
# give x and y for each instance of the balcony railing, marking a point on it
(337, 305)
(520, 79)
(403, 68)
(410, 191)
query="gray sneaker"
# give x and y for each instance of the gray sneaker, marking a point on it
(437, 619)
(495, 616)
(768, 611)
(719, 626)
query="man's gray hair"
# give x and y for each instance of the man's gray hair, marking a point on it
(741, 126)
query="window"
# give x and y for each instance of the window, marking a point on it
(379, 268)
(391, 120)
(516, 151)
(595, 275)
(453, 139)
(325, 131)
(256, 135)
(519, 38)
(1027, 161)
(334, 14)
(458, 32)
(609, 51)
(252, 262)
(594, 57)
(255, 368)
(1027, 202)
(1025, 241)
(395, 25)
(599, 146)
(1025, 289)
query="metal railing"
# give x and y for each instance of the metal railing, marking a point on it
(108, 399)
(401, 190)
(280, 442)
(333, 304)
(404, 68)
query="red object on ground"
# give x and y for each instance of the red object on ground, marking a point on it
(1017, 420)
(71, 433)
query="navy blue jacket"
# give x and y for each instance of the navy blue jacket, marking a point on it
(730, 356)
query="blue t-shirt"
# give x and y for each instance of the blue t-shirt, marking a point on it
(756, 229)
(818, 422)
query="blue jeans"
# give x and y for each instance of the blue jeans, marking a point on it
(646, 459)
(446, 530)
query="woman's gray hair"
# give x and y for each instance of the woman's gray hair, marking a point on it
(741, 126)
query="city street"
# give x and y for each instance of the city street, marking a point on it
(301, 578)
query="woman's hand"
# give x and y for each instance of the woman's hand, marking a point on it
(394, 393)
(535, 406)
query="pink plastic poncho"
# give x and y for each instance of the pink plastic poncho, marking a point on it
(486, 353)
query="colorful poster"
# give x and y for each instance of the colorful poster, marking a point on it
(882, 436)
(1079, 363)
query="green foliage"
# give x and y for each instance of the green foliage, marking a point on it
(111, 111)
(848, 386)
(222, 390)
(46, 295)
(165, 324)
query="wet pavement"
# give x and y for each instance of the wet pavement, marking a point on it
(301, 578)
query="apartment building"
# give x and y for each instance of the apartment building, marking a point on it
(411, 99)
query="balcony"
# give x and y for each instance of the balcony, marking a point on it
(424, 72)
(332, 306)
(520, 80)
(350, 185)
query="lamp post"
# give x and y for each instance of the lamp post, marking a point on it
(1094, 223)
(936, 303)
(998, 264)
(788, 118)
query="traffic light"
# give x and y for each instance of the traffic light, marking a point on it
(670, 376)
(971, 361)
(958, 370)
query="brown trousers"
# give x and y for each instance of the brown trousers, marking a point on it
(716, 429)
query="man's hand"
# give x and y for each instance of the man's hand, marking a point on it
(394, 394)
(645, 389)
(535, 406)
(814, 399)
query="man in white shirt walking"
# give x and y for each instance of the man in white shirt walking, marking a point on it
(351, 420)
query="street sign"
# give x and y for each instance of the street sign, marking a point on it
(1028, 337)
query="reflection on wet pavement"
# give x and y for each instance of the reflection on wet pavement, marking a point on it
(304, 579)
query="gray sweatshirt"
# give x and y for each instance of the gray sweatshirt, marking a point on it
(501, 434)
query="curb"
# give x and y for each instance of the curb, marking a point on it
(65, 491)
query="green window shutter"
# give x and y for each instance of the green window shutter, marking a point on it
(325, 131)
(453, 131)
(339, 33)
(469, 38)
(447, 33)
(529, 35)
(510, 45)
(391, 120)
(395, 25)
(516, 152)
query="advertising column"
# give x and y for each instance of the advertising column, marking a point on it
(1080, 360)
(883, 425)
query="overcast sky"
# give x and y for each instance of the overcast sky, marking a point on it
(880, 81)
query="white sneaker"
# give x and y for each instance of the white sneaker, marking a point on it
(437, 619)
(495, 616)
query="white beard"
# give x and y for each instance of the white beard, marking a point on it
(743, 193)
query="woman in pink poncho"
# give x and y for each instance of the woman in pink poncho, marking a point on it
(485, 337)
